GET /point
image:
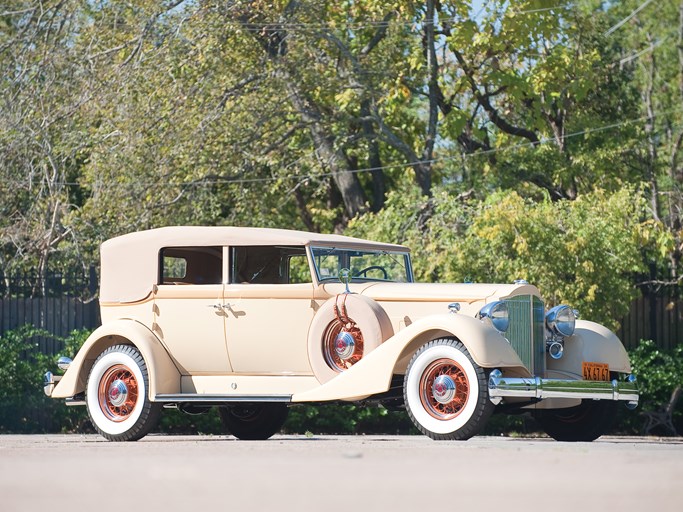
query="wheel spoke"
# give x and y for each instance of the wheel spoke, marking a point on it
(444, 389)
(117, 381)
(331, 351)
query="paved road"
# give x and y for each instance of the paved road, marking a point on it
(326, 474)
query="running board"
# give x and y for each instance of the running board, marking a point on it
(189, 398)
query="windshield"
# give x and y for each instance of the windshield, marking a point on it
(364, 264)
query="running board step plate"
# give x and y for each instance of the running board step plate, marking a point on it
(220, 399)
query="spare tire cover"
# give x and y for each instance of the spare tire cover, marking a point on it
(345, 329)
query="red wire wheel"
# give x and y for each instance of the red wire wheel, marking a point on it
(363, 323)
(444, 389)
(118, 393)
(342, 347)
(446, 392)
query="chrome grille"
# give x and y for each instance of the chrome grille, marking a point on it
(526, 332)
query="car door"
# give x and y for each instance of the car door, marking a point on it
(189, 316)
(269, 310)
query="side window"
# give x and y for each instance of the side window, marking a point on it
(298, 269)
(191, 265)
(269, 265)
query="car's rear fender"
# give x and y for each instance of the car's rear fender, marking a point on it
(163, 374)
(373, 373)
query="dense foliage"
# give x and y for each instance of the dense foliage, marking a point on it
(23, 405)
(500, 140)
(593, 246)
(118, 116)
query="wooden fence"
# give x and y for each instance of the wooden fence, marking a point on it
(56, 303)
(58, 316)
(61, 303)
(656, 317)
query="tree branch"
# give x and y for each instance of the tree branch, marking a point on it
(380, 34)
(485, 101)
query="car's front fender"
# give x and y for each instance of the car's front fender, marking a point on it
(594, 343)
(163, 374)
(373, 373)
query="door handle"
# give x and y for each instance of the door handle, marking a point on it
(220, 306)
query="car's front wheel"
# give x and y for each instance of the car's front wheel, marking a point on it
(117, 395)
(585, 422)
(446, 392)
(254, 421)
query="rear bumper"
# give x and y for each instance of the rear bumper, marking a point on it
(501, 387)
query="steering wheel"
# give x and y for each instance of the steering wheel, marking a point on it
(364, 272)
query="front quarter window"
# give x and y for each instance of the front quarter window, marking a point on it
(364, 264)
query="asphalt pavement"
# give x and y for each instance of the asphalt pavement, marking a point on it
(338, 473)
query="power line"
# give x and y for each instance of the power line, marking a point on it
(616, 27)
(512, 147)
(454, 157)
(381, 23)
(648, 49)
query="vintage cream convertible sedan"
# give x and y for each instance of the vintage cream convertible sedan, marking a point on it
(254, 320)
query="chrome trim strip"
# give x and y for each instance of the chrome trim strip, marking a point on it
(534, 387)
(74, 401)
(219, 399)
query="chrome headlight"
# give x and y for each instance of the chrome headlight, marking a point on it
(497, 314)
(561, 320)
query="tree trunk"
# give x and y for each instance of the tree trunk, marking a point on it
(378, 182)
(273, 41)
(330, 157)
(651, 166)
(423, 172)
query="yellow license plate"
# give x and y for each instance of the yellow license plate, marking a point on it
(595, 371)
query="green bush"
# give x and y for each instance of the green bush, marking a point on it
(600, 237)
(347, 419)
(23, 405)
(658, 372)
(174, 421)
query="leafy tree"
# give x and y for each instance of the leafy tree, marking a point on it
(649, 38)
(120, 116)
(583, 252)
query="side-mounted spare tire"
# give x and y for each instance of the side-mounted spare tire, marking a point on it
(345, 329)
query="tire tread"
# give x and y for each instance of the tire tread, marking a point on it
(483, 411)
(151, 411)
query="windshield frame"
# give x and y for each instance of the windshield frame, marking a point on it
(405, 255)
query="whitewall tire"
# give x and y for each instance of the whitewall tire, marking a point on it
(446, 392)
(117, 395)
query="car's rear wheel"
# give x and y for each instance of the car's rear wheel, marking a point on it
(254, 421)
(585, 422)
(117, 395)
(446, 392)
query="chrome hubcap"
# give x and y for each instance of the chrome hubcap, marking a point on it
(344, 345)
(118, 393)
(443, 389)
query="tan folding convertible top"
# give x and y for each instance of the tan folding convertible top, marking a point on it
(130, 262)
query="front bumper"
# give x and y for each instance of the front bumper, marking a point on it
(501, 387)
(49, 382)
